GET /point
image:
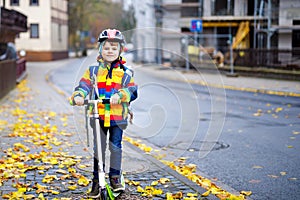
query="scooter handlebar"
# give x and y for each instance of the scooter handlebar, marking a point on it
(103, 101)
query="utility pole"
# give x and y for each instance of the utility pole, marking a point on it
(200, 14)
(269, 34)
(158, 16)
(200, 8)
(228, 7)
(254, 27)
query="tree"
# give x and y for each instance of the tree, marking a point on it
(92, 16)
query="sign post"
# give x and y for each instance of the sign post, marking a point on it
(196, 25)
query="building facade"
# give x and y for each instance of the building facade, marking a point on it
(47, 35)
(144, 36)
(245, 24)
(288, 27)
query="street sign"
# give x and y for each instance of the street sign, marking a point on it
(196, 25)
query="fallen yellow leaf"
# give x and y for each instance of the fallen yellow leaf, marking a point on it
(247, 193)
(49, 178)
(296, 132)
(52, 114)
(83, 181)
(177, 195)
(293, 179)
(279, 109)
(205, 194)
(191, 194)
(140, 189)
(154, 183)
(157, 192)
(283, 173)
(22, 146)
(54, 192)
(61, 171)
(169, 196)
(135, 183)
(257, 114)
(272, 176)
(164, 180)
(72, 187)
(257, 167)
(41, 196)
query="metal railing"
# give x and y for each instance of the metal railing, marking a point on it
(269, 58)
(7, 76)
(21, 69)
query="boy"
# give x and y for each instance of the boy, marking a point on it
(112, 83)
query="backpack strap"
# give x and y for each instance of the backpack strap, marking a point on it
(93, 72)
(128, 73)
(93, 77)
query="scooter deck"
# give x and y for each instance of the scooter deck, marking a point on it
(112, 194)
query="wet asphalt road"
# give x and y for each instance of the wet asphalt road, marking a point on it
(248, 141)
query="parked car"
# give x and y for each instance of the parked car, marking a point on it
(8, 51)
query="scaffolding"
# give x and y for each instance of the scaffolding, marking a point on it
(258, 29)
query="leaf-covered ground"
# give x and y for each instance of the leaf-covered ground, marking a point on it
(36, 160)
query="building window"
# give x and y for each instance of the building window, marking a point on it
(189, 12)
(34, 31)
(221, 7)
(296, 39)
(14, 2)
(34, 2)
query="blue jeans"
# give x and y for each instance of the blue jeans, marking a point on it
(115, 147)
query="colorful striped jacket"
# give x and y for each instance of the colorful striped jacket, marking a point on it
(109, 82)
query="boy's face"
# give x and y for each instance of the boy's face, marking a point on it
(110, 51)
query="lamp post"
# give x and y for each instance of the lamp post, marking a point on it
(230, 42)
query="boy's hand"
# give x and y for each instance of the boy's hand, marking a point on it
(115, 99)
(79, 101)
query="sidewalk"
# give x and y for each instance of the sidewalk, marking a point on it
(44, 151)
(216, 79)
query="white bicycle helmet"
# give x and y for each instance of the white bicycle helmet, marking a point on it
(112, 34)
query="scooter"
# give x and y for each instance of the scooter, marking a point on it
(91, 106)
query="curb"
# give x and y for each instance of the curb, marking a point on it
(244, 89)
(184, 180)
(261, 72)
(171, 172)
(57, 89)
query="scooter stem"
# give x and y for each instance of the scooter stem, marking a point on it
(99, 147)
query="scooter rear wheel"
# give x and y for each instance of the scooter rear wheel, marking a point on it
(103, 194)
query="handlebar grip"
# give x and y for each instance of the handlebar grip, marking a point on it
(71, 101)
